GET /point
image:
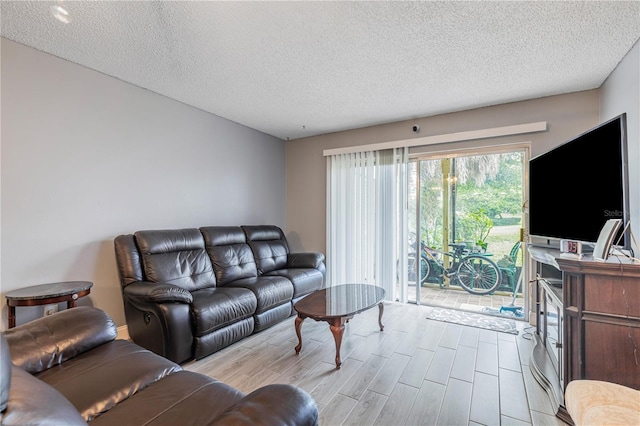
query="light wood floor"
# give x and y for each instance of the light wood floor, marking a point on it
(415, 372)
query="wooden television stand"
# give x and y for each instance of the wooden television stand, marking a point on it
(587, 322)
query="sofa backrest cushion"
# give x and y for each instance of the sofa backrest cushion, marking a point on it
(128, 260)
(230, 254)
(176, 256)
(269, 246)
(46, 342)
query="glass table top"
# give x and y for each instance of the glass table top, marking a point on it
(340, 300)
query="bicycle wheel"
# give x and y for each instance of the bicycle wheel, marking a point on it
(424, 269)
(478, 274)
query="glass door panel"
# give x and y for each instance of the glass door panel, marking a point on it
(473, 199)
(412, 224)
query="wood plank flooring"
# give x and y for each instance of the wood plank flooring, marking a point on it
(416, 372)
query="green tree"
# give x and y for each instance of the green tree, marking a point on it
(431, 199)
(496, 192)
(475, 226)
(487, 186)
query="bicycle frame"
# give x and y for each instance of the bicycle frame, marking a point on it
(455, 255)
(475, 272)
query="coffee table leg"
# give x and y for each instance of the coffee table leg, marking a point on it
(337, 331)
(299, 320)
(380, 312)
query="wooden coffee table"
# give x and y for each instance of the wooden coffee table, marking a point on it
(336, 306)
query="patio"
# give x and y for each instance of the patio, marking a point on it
(457, 298)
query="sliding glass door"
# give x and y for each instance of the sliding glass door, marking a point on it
(428, 196)
(473, 200)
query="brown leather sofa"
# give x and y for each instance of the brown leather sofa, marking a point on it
(191, 292)
(68, 369)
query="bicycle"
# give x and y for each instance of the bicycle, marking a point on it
(475, 272)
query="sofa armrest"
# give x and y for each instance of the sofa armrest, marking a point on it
(5, 378)
(45, 342)
(305, 260)
(277, 405)
(595, 402)
(159, 318)
(142, 292)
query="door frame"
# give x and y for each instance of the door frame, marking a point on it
(437, 152)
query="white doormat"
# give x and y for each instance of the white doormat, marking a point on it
(503, 325)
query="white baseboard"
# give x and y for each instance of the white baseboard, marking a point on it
(123, 333)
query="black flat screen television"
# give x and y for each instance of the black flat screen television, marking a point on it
(576, 187)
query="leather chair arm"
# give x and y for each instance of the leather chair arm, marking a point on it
(5, 377)
(277, 405)
(305, 260)
(45, 342)
(143, 292)
(159, 318)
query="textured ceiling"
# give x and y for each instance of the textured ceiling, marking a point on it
(297, 69)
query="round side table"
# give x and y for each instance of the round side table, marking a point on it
(44, 294)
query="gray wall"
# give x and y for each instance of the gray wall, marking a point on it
(86, 157)
(566, 117)
(621, 93)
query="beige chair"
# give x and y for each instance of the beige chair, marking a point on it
(592, 402)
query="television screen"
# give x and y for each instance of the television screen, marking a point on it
(576, 187)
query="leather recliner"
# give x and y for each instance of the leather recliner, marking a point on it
(68, 369)
(191, 292)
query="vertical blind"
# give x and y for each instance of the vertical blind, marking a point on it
(366, 220)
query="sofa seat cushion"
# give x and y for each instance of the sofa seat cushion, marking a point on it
(184, 398)
(270, 291)
(221, 338)
(99, 379)
(218, 307)
(305, 280)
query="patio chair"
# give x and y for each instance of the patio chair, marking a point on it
(509, 269)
